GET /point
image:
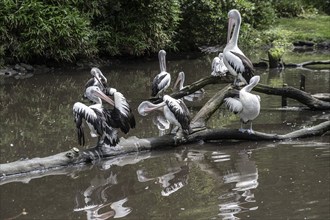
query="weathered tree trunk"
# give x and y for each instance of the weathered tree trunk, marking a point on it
(274, 61)
(293, 93)
(135, 144)
(307, 63)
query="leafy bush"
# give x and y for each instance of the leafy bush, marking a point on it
(40, 30)
(136, 27)
(203, 23)
(36, 30)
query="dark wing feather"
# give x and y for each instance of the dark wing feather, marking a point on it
(156, 81)
(248, 66)
(180, 112)
(111, 136)
(89, 83)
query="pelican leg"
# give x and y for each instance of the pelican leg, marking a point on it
(250, 131)
(242, 129)
(174, 130)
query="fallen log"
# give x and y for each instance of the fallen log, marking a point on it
(312, 102)
(293, 93)
(134, 144)
(307, 63)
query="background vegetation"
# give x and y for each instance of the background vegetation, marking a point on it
(37, 30)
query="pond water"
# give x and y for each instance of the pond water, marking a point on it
(219, 180)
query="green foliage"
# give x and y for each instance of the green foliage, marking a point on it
(203, 23)
(288, 8)
(34, 29)
(37, 30)
(136, 27)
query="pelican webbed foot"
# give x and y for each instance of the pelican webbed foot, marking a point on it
(249, 131)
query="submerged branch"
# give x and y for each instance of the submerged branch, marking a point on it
(307, 63)
(293, 93)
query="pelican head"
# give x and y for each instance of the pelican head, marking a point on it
(162, 60)
(253, 82)
(96, 72)
(220, 56)
(95, 94)
(180, 79)
(234, 20)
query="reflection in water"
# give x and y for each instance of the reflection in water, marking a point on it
(246, 179)
(96, 202)
(170, 182)
(244, 176)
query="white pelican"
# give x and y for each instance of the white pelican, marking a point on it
(98, 79)
(163, 80)
(191, 97)
(247, 105)
(236, 62)
(218, 66)
(96, 118)
(175, 111)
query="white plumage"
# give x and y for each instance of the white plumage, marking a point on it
(247, 105)
(96, 118)
(234, 59)
(197, 95)
(175, 112)
(218, 66)
(163, 80)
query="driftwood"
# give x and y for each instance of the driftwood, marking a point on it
(307, 63)
(134, 144)
(75, 157)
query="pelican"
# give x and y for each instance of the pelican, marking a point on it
(98, 78)
(237, 63)
(218, 67)
(247, 105)
(191, 97)
(175, 112)
(121, 116)
(96, 118)
(163, 80)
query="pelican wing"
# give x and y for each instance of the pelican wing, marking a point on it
(161, 81)
(92, 117)
(248, 66)
(234, 105)
(110, 136)
(180, 111)
(124, 112)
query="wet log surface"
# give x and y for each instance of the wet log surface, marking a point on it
(308, 63)
(40, 166)
(134, 144)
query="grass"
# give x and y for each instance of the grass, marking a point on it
(314, 28)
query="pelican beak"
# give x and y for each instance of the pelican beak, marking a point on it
(100, 81)
(230, 28)
(104, 97)
(177, 82)
(146, 107)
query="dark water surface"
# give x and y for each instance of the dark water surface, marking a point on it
(225, 180)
